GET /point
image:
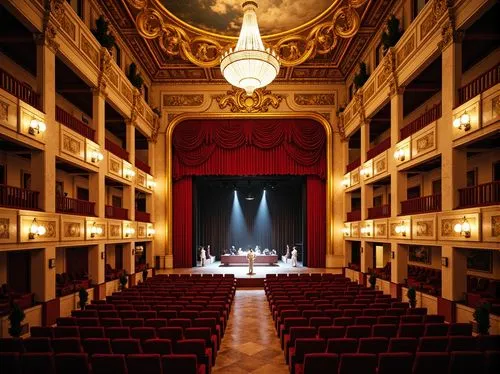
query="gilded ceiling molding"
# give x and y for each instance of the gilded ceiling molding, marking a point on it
(315, 99)
(205, 49)
(183, 100)
(239, 102)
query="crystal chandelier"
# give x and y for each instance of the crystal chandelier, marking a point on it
(249, 65)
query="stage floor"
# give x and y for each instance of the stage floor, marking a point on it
(241, 271)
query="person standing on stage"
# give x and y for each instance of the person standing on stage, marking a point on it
(287, 254)
(251, 259)
(294, 256)
(203, 256)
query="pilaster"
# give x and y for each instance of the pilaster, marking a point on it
(43, 278)
(366, 256)
(399, 264)
(454, 281)
(97, 263)
(398, 180)
(97, 190)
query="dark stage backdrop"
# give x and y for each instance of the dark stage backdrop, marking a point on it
(213, 219)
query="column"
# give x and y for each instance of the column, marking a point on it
(43, 163)
(150, 205)
(366, 256)
(398, 180)
(366, 189)
(454, 276)
(128, 257)
(97, 263)
(43, 278)
(347, 252)
(453, 161)
(129, 191)
(97, 185)
(399, 264)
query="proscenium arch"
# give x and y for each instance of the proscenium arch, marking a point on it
(295, 115)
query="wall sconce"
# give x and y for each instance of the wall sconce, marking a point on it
(444, 261)
(400, 155)
(129, 173)
(393, 255)
(95, 230)
(462, 122)
(129, 231)
(365, 231)
(345, 231)
(463, 228)
(36, 127)
(365, 172)
(36, 230)
(52, 263)
(96, 156)
(345, 183)
(401, 229)
(151, 184)
(151, 231)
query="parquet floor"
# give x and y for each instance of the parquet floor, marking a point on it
(250, 343)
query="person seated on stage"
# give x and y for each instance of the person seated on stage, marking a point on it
(240, 251)
(226, 252)
(233, 250)
(266, 251)
(257, 250)
(273, 251)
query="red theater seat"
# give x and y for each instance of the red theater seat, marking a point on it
(97, 345)
(144, 364)
(430, 362)
(315, 363)
(158, 346)
(358, 363)
(74, 363)
(126, 346)
(37, 363)
(391, 363)
(466, 362)
(10, 362)
(109, 364)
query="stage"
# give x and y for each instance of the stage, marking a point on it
(241, 272)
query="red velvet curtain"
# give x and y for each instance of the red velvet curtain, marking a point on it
(248, 147)
(182, 194)
(316, 222)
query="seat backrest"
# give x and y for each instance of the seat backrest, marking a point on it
(395, 362)
(372, 345)
(434, 318)
(460, 329)
(97, 345)
(342, 345)
(295, 321)
(330, 332)
(492, 362)
(158, 346)
(174, 333)
(436, 329)
(388, 320)
(74, 363)
(343, 321)
(358, 331)
(411, 330)
(433, 344)
(87, 321)
(38, 345)
(466, 362)
(133, 322)
(430, 362)
(179, 363)
(144, 364)
(38, 362)
(384, 330)
(320, 363)
(180, 322)
(66, 345)
(92, 332)
(10, 362)
(190, 346)
(66, 321)
(462, 343)
(411, 319)
(111, 322)
(365, 363)
(488, 342)
(156, 322)
(297, 332)
(41, 332)
(365, 320)
(126, 346)
(117, 332)
(66, 332)
(308, 345)
(143, 333)
(403, 345)
(204, 333)
(11, 345)
(108, 363)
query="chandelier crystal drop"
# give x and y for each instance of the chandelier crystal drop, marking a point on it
(250, 65)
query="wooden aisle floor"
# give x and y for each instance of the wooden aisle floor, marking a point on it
(250, 343)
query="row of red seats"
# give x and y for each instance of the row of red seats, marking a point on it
(79, 363)
(400, 363)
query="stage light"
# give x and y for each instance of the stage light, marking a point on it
(249, 197)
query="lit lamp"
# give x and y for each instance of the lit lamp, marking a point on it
(365, 231)
(96, 156)
(36, 127)
(129, 231)
(249, 66)
(151, 231)
(365, 172)
(345, 182)
(95, 230)
(401, 229)
(399, 155)
(129, 173)
(463, 228)
(151, 184)
(462, 122)
(345, 231)
(36, 230)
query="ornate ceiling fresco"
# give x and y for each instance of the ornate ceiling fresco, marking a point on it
(182, 41)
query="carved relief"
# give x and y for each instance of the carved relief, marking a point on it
(406, 50)
(495, 106)
(50, 227)
(380, 165)
(141, 179)
(113, 77)
(427, 25)
(114, 166)
(68, 27)
(183, 100)
(141, 231)
(381, 229)
(425, 142)
(368, 91)
(115, 231)
(4, 228)
(4, 111)
(495, 226)
(447, 226)
(238, 101)
(314, 99)
(355, 229)
(354, 177)
(71, 145)
(71, 230)
(127, 92)
(89, 50)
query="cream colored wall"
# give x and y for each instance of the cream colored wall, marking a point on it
(495, 274)
(484, 164)
(14, 165)
(424, 180)
(72, 109)
(110, 192)
(3, 267)
(60, 260)
(426, 105)
(71, 182)
(17, 71)
(382, 191)
(111, 255)
(482, 66)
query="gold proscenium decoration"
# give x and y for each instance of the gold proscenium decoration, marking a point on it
(204, 49)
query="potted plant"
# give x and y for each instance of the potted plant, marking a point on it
(102, 34)
(134, 77)
(372, 280)
(391, 34)
(84, 297)
(144, 274)
(123, 280)
(412, 297)
(16, 317)
(482, 317)
(361, 76)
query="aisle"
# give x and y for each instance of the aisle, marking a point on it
(250, 344)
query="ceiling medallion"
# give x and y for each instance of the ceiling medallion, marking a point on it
(206, 49)
(238, 101)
